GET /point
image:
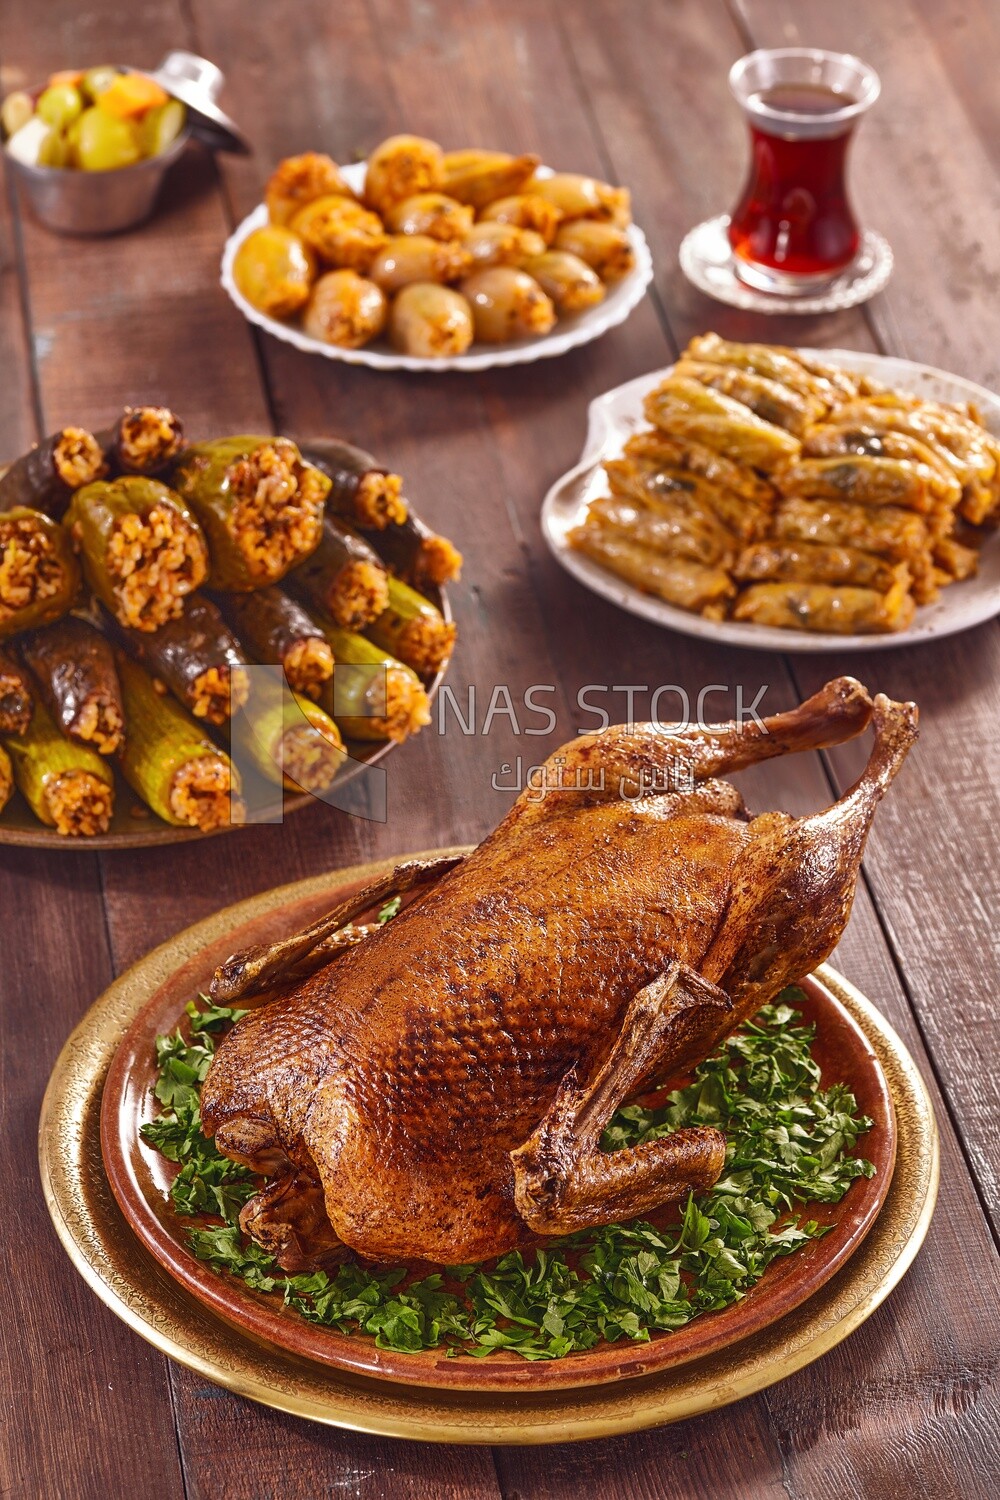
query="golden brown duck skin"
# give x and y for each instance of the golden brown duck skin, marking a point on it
(447, 1078)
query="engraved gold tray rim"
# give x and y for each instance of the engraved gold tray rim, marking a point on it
(130, 1282)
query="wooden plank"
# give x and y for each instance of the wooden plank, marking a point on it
(940, 838)
(86, 1405)
(53, 960)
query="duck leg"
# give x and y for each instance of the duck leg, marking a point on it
(640, 760)
(563, 1181)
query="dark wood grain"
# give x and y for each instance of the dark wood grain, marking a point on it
(943, 843)
(635, 92)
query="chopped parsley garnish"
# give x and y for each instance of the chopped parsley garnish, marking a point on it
(789, 1144)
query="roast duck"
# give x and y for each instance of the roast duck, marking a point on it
(436, 1088)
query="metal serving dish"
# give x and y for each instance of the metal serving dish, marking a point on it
(75, 202)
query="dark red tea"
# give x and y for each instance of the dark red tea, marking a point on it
(793, 216)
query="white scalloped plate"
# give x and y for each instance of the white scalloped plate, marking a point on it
(622, 297)
(616, 415)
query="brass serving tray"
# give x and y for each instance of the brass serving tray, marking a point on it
(133, 1285)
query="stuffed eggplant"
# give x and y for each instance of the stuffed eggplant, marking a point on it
(290, 739)
(417, 554)
(372, 695)
(17, 698)
(142, 549)
(273, 627)
(47, 477)
(344, 576)
(413, 629)
(197, 657)
(144, 440)
(361, 490)
(68, 786)
(260, 504)
(169, 762)
(74, 668)
(39, 576)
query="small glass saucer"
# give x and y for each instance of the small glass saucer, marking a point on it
(708, 263)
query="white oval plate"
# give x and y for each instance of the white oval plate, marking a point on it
(622, 297)
(616, 415)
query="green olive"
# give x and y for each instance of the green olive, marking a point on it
(161, 126)
(16, 110)
(96, 80)
(54, 150)
(59, 106)
(100, 143)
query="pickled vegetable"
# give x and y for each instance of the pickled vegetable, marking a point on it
(260, 503)
(345, 309)
(161, 126)
(59, 105)
(605, 248)
(176, 769)
(507, 304)
(433, 214)
(68, 786)
(416, 257)
(300, 180)
(39, 576)
(96, 80)
(15, 112)
(430, 321)
(130, 95)
(340, 232)
(525, 211)
(400, 167)
(274, 271)
(100, 142)
(141, 547)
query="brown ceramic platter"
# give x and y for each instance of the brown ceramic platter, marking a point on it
(140, 1179)
(133, 826)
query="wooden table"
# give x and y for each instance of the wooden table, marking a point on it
(633, 92)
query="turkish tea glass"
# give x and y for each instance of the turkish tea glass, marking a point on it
(793, 229)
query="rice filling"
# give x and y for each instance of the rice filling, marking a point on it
(30, 570)
(153, 561)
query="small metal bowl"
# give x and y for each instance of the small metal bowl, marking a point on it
(75, 202)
